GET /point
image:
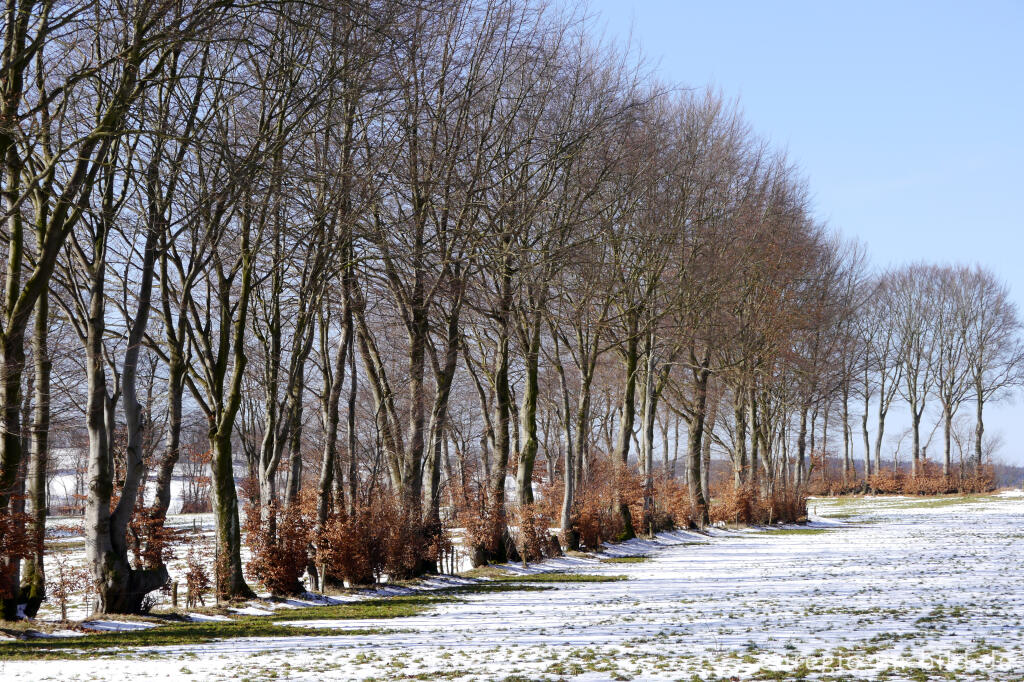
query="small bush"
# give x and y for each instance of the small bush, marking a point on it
(735, 504)
(672, 498)
(746, 504)
(280, 547)
(197, 576)
(16, 543)
(66, 578)
(596, 517)
(486, 530)
(379, 538)
(151, 541)
(532, 534)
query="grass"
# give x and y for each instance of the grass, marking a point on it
(172, 631)
(178, 632)
(496, 574)
(175, 633)
(796, 531)
(560, 578)
(943, 501)
(625, 559)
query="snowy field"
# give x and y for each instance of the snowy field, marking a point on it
(876, 588)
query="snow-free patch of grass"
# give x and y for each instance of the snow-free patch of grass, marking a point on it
(176, 633)
(796, 531)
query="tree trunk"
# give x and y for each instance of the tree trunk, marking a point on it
(33, 581)
(172, 448)
(443, 378)
(121, 589)
(847, 460)
(569, 536)
(630, 359)
(498, 551)
(878, 439)
(225, 508)
(696, 433)
(801, 447)
(947, 432)
(867, 444)
(915, 427)
(528, 415)
(979, 428)
(350, 429)
(333, 382)
(647, 435)
(739, 458)
(11, 368)
(705, 450)
(755, 433)
(291, 495)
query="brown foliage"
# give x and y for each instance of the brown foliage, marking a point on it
(197, 577)
(930, 481)
(280, 546)
(735, 504)
(16, 543)
(746, 504)
(595, 517)
(532, 534)
(151, 541)
(485, 527)
(378, 538)
(672, 504)
(827, 479)
(65, 579)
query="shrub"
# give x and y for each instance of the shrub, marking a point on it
(348, 549)
(735, 504)
(65, 579)
(532, 534)
(280, 547)
(379, 538)
(931, 481)
(151, 541)
(197, 577)
(596, 517)
(672, 498)
(485, 527)
(746, 504)
(16, 542)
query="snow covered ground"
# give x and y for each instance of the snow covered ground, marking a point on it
(900, 588)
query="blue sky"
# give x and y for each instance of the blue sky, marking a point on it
(906, 117)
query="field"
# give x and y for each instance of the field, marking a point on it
(873, 588)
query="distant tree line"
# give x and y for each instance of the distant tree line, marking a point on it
(384, 256)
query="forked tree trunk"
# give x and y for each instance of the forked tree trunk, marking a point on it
(121, 588)
(696, 434)
(528, 414)
(443, 377)
(630, 358)
(172, 446)
(33, 580)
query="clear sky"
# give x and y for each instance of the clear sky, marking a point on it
(906, 117)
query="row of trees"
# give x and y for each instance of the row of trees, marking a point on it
(381, 250)
(929, 335)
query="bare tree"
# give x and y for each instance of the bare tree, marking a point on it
(992, 343)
